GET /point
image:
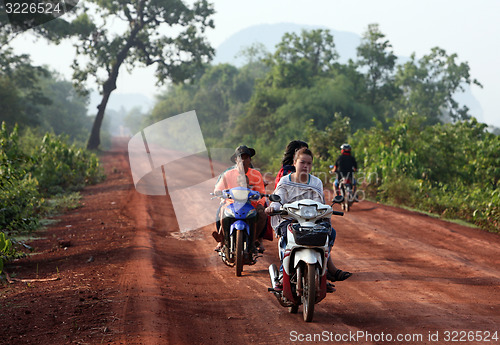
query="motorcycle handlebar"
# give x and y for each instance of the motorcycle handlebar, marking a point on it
(337, 213)
(220, 193)
(278, 213)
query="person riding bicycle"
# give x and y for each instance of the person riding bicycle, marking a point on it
(241, 175)
(344, 167)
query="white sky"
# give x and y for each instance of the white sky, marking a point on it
(471, 29)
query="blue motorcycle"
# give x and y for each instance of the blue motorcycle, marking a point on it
(238, 218)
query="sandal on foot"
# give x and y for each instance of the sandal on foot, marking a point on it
(338, 276)
(260, 247)
(330, 287)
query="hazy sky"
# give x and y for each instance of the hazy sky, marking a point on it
(471, 29)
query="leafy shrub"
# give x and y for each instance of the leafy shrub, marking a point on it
(449, 169)
(19, 196)
(30, 172)
(60, 168)
(6, 250)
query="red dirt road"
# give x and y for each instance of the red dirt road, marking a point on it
(126, 275)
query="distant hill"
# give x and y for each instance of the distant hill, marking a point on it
(271, 34)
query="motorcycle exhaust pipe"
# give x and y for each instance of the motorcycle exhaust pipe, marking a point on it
(273, 273)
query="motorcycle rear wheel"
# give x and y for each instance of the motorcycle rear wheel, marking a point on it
(309, 291)
(239, 253)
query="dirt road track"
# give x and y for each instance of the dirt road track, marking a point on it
(413, 276)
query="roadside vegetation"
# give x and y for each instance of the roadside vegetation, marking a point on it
(39, 177)
(416, 145)
(43, 128)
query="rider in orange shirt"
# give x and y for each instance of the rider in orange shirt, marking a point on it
(241, 174)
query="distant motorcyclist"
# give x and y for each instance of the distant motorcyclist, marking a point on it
(344, 167)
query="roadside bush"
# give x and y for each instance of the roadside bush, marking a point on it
(36, 179)
(452, 170)
(19, 196)
(60, 168)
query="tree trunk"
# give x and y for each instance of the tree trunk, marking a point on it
(95, 140)
(108, 87)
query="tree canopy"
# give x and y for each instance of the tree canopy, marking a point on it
(115, 33)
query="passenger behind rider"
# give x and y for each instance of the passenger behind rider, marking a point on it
(344, 167)
(287, 161)
(241, 174)
(296, 186)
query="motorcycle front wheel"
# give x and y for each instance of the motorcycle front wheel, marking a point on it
(239, 253)
(309, 291)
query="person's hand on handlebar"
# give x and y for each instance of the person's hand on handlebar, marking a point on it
(269, 210)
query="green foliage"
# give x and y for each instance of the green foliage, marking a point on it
(59, 167)
(19, 195)
(300, 58)
(27, 175)
(448, 169)
(408, 154)
(167, 34)
(6, 250)
(429, 85)
(325, 143)
(67, 111)
(219, 97)
(376, 58)
(35, 97)
(22, 95)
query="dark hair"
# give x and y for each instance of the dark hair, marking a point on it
(291, 148)
(302, 151)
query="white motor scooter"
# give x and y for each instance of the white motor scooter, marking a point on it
(305, 257)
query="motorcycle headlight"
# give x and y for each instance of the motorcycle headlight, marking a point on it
(308, 212)
(240, 195)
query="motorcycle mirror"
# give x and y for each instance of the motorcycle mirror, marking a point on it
(274, 198)
(338, 199)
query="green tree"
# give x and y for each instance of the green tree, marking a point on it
(10, 99)
(66, 112)
(300, 58)
(377, 60)
(325, 143)
(429, 85)
(103, 51)
(219, 96)
(21, 93)
(254, 54)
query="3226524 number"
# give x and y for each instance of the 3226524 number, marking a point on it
(464, 336)
(33, 8)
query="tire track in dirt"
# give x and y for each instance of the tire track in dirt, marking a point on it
(412, 275)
